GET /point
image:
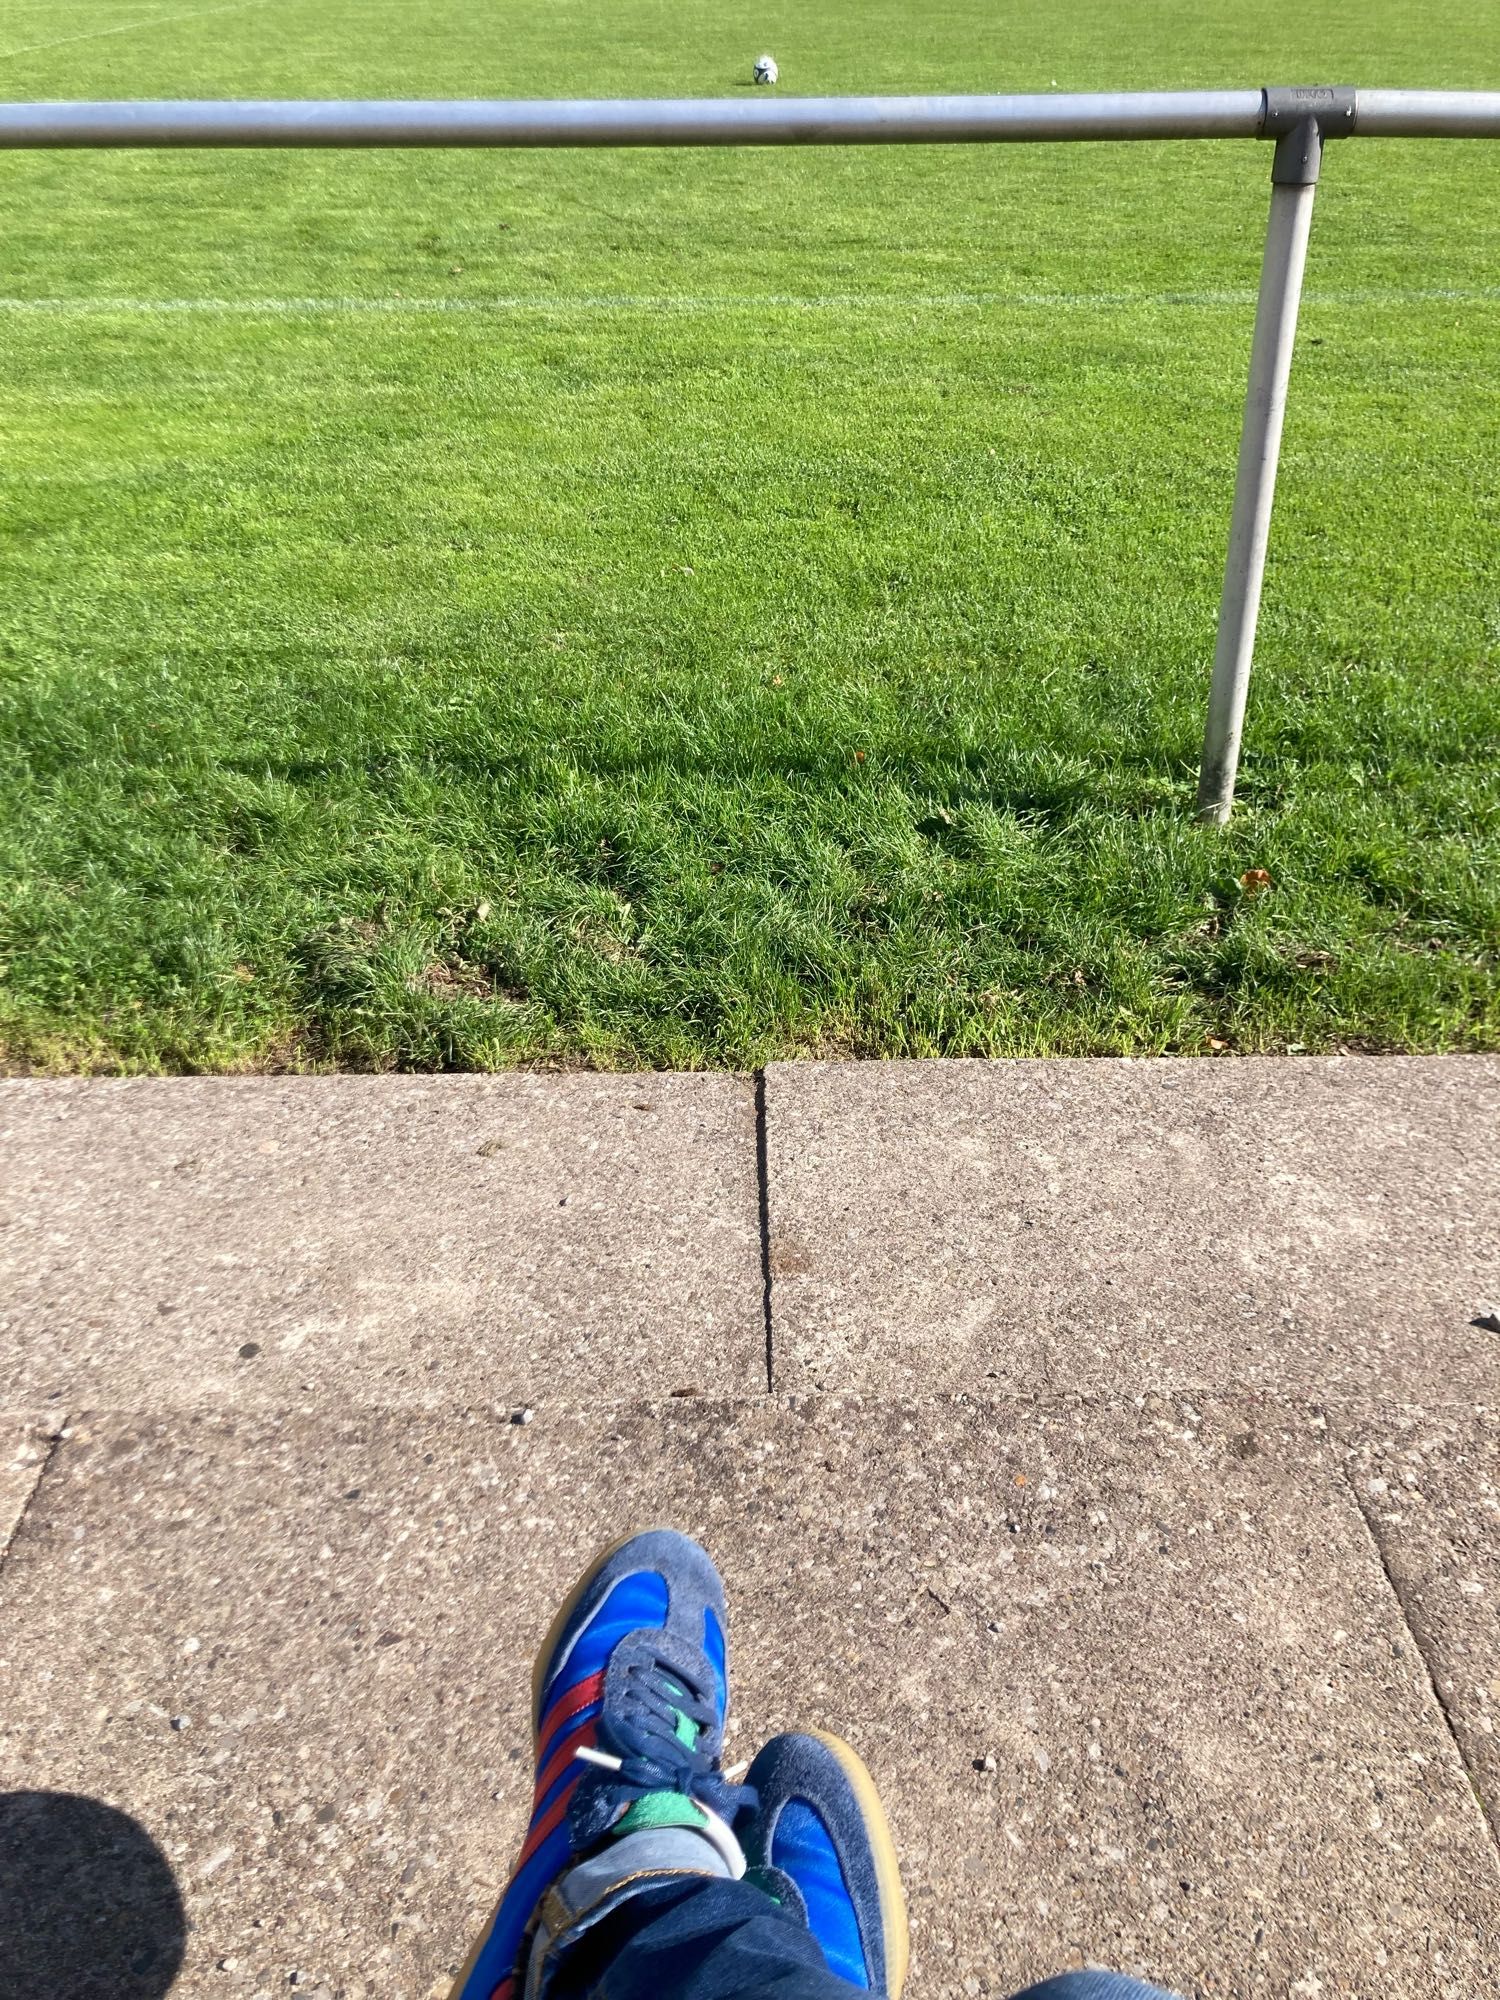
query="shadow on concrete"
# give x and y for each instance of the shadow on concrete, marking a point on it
(89, 1907)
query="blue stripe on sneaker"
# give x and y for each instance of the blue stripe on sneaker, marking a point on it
(802, 1846)
(636, 1603)
(502, 1947)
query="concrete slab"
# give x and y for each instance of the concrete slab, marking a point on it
(1430, 1490)
(1312, 1226)
(209, 1242)
(294, 1654)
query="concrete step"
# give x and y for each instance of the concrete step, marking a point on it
(1317, 1228)
(1134, 1428)
(1131, 1676)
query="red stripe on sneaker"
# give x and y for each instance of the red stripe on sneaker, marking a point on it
(575, 1699)
(506, 1987)
(562, 1756)
(549, 1820)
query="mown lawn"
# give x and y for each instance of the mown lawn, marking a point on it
(682, 609)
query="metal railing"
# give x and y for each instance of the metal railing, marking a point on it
(1299, 120)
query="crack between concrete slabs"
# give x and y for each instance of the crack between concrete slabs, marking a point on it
(52, 1439)
(763, 1207)
(1493, 1838)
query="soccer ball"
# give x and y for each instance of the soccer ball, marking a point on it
(765, 69)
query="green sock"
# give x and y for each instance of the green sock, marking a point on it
(658, 1809)
(664, 1808)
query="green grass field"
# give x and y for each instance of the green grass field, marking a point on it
(686, 608)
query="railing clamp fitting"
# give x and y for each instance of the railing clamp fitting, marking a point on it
(1299, 120)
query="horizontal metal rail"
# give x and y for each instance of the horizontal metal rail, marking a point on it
(742, 121)
(1427, 114)
(728, 121)
(1299, 120)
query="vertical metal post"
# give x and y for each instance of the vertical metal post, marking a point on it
(1294, 180)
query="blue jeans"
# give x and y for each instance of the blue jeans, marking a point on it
(701, 1937)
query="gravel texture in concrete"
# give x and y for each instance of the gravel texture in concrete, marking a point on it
(1322, 1227)
(1131, 1678)
(1430, 1489)
(212, 1242)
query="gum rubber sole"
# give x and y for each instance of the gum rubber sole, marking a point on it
(887, 1870)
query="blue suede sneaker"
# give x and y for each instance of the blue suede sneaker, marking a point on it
(819, 1843)
(629, 1695)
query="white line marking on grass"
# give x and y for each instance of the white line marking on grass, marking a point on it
(129, 28)
(624, 302)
